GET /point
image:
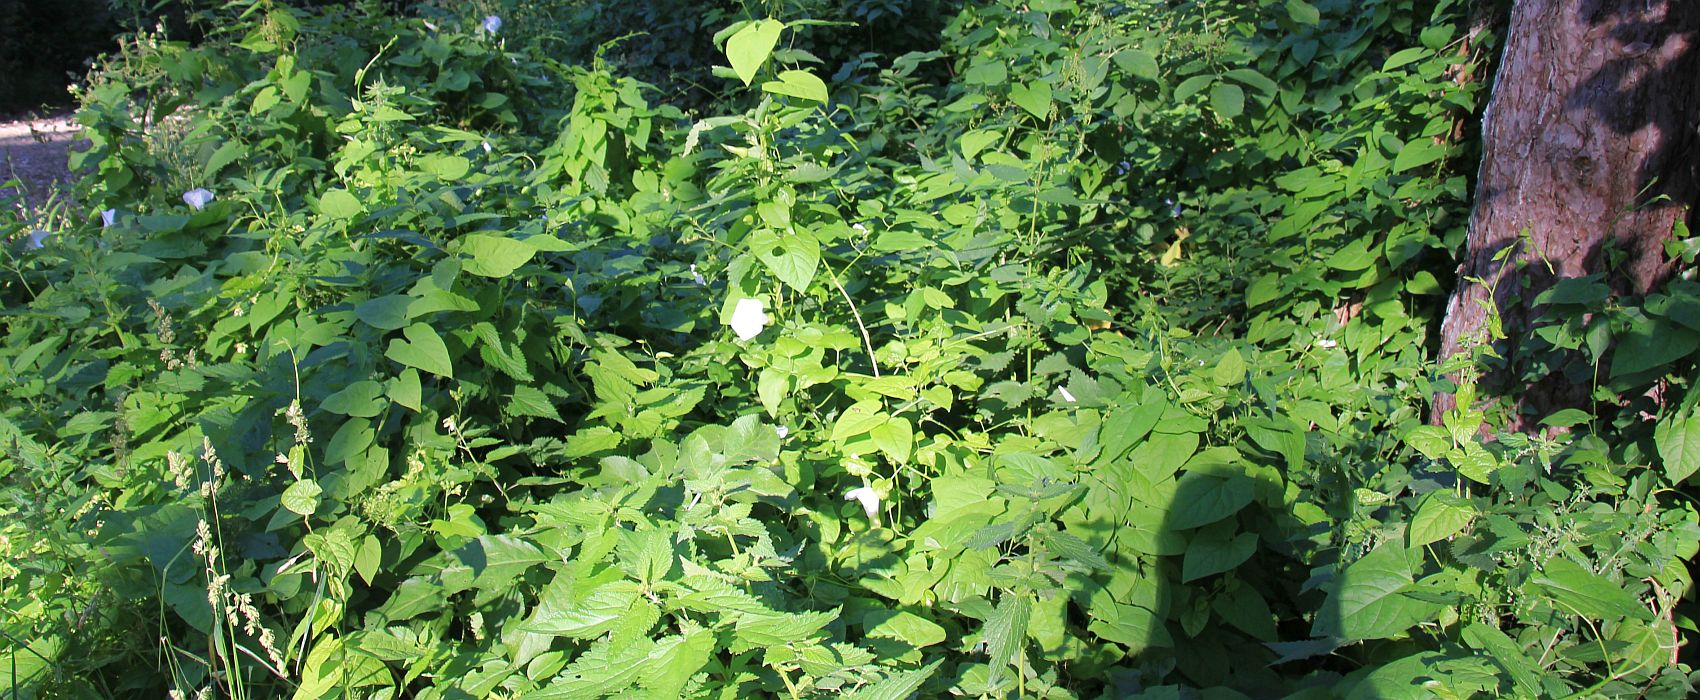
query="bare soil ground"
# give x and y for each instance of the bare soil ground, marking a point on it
(35, 152)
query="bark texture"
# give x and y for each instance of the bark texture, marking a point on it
(1589, 150)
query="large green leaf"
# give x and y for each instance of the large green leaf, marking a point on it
(793, 257)
(798, 83)
(750, 47)
(1440, 515)
(1678, 438)
(1034, 97)
(1201, 500)
(1366, 602)
(1215, 550)
(1574, 589)
(360, 399)
(494, 256)
(423, 349)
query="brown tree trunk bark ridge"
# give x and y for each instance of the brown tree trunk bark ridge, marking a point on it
(1588, 146)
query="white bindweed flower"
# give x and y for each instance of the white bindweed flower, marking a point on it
(1066, 396)
(748, 318)
(1326, 343)
(860, 229)
(486, 145)
(492, 24)
(36, 239)
(198, 198)
(697, 276)
(108, 217)
(869, 499)
(782, 431)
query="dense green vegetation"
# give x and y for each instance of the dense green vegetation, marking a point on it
(989, 349)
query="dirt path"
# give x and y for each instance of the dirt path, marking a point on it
(35, 153)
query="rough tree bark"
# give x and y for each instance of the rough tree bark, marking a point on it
(1588, 146)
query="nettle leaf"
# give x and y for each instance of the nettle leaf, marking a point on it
(423, 349)
(750, 47)
(531, 401)
(1005, 633)
(1365, 601)
(792, 257)
(896, 687)
(494, 256)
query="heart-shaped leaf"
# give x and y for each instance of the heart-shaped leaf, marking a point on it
(750, 47)
(423, 349)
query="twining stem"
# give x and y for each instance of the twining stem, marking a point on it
(866, 341)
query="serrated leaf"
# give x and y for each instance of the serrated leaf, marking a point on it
(1069, 546)
(896, 687)
(530, 401)
(422, 349)
(1005, 633)
(750, 47)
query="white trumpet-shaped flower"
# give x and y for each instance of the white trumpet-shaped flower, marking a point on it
(697, 276)
(748, 318)
(198, 198)
(492, 24)
(869, 498)
(108, 217)
(36, 239)
(782, 431)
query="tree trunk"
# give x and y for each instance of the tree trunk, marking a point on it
(1588, 158)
